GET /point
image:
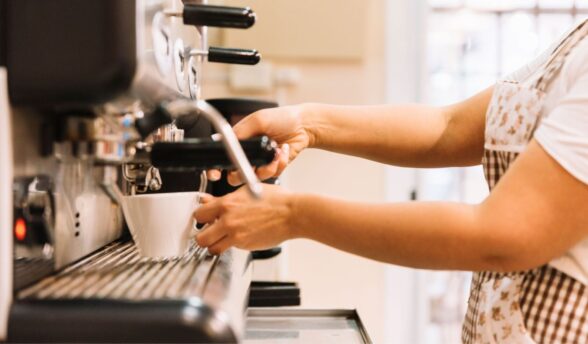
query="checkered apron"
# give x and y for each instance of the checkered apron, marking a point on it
(542, 305)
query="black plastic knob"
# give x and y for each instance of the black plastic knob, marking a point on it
(234, 56)
(218, 16)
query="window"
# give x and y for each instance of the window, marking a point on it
(471, 44)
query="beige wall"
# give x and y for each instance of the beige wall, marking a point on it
(330, 278)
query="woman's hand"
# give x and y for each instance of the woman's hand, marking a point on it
(285, 126)
(238, 220)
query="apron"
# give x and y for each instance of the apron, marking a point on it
(542, 305)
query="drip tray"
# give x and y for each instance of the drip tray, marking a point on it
(293, 325)
(118, 272)
(115, 295)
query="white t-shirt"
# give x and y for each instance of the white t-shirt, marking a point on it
(563, 132)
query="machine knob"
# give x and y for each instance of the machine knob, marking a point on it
(216, 16)
(234, 56)
(227, 55)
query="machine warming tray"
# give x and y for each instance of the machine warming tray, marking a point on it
(292, 326)
(119, 272)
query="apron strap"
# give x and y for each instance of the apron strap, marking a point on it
(560, 55)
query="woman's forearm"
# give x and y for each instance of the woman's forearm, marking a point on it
(528, 220)
(416, 234)
(406, 135)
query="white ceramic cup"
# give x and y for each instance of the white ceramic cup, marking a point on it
(161, 224)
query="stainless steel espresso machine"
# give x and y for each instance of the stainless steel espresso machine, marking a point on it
(102, 99)
(94, 95)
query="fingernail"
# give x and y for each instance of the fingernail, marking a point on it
(214, 175)
(279, 152)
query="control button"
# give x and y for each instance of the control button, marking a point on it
(20, 229)
(34, 211)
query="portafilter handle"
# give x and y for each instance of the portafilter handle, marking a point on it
(180, 107)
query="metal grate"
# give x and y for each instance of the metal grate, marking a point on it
(119, 272)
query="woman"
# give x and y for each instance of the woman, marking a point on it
(527, 242)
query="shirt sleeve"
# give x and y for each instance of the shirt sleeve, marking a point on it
(564, 132)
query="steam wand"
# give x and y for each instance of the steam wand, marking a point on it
(180, 107)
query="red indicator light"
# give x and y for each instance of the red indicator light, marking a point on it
(20, 229)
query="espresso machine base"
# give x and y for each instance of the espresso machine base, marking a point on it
(115, 295)
(79, 321)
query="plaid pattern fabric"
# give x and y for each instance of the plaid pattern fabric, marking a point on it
(553, 304)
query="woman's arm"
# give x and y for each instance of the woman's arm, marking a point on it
(406, 135)
(536, 213)
(409, 135)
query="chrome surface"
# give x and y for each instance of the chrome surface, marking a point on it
(227, 135)
(119, 272)
(195, 52)
(85, 167)
(295, 325)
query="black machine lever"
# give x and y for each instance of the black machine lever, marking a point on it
(206, 153)
(217, 16)
(227, 55)
(234, 56)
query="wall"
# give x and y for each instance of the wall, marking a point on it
(330, 278)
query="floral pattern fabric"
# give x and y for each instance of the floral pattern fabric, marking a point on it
(543, 305)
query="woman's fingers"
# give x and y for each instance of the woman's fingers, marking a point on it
(210, 235)
(220, 246)
(283, 159)
(271, 170)
(208, 211)
(206, 198)
(277, 166)
(250, 126)
(213, 175)
(233, 178)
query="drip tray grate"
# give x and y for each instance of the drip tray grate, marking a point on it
(119, 272)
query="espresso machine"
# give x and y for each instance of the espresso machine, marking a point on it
(94, 94)
(100, 100)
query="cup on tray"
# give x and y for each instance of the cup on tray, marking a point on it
(161, 224)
